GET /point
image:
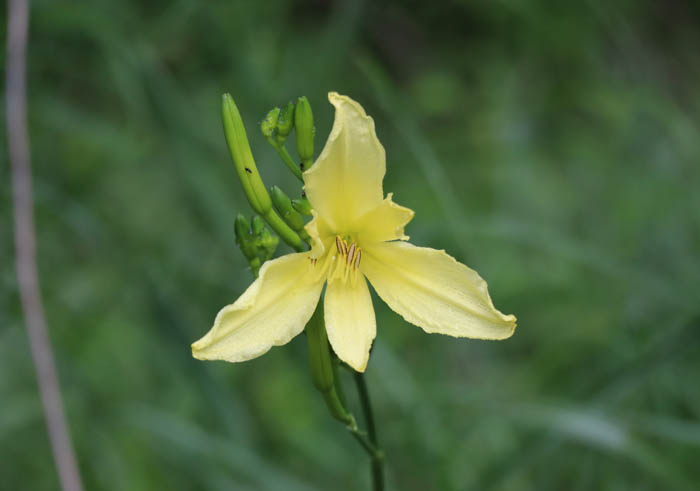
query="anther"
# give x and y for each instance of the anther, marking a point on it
(337, 244)
(358, 256)
(351, 253)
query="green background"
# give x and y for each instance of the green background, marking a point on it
(552, 146)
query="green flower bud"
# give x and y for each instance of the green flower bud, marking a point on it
(302, 206)
(258, 246)
(244, 238)
(319, 356)
(284, 208)
(258, 226)
(238, 145)
(269, 125)
(285, 123)
(266, 244)
(242, 228)
(322, 369)
(304, 124)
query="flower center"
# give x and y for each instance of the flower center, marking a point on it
(341, 263)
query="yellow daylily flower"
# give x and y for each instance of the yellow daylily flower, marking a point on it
(357, 235)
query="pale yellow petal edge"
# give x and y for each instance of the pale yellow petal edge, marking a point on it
(304, 304)
(487, 322)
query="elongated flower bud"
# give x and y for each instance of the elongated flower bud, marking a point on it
(322, 368)
(238, 145)
(285, 123)
(320, 363)
(284, 208)
(304, 126)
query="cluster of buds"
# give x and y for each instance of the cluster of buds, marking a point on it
(277, 126)
(284, 216)
(256, 243)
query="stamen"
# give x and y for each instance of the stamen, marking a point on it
(351, 253)
(343, 268)
(337, 244)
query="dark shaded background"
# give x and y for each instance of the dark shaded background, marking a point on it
(552, 146)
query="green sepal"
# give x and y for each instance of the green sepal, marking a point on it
(305, 131)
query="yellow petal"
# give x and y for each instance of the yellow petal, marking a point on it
(345, 182)
(320, 233)
(273, 310)
(350, 321)
(432, 290)
(383, 223)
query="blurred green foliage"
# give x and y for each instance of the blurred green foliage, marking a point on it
(552, 146)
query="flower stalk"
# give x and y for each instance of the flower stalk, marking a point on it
(378, 454)
(325, 377)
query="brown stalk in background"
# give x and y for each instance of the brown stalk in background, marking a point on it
(25, 246)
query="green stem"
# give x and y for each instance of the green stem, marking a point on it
(289, 162)
(378, 454)
(325, 376)
(255, 266)
(361, 437)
